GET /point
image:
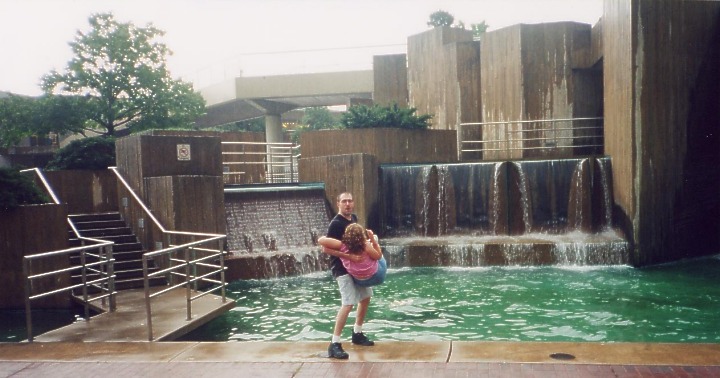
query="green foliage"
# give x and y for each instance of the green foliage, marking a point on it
(16, 115)
(120, 71)
(87, 153)
(363, 116)
(315, 118)
(319, 118)
(440, 18)
(22, 117)
(249, 125)
(479, 29)
(17, 189)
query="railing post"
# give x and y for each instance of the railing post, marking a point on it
(148, 311)
(221, 249)
(83, 263)
(111, 278)
(188, 293)
(28, 291)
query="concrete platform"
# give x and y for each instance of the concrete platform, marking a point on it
(391, 358)
(129, 321)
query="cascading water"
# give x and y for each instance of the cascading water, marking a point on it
(518, 213)
(604, 169)
(470, 214)
(273, 232)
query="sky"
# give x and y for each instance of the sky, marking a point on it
(216, 40)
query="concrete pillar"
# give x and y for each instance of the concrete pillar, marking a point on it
(273, 134)
(273, 128)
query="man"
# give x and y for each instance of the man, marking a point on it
(350, 294)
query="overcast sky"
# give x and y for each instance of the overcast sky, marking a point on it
(213, 40)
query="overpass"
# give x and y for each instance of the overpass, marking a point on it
(244, 98)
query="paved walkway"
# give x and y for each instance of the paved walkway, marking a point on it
(129, 321)
(386, 359)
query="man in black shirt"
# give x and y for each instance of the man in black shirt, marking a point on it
(350, 293)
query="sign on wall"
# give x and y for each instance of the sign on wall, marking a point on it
(183, 152)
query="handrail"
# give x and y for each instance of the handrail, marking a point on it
(520, 136)
(103, 257)
(104, 262)
(190, 265)
(280, 160)
(48, 188)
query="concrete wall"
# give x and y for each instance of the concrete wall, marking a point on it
(444, 76)
(239, 173)
(661, 116)
(153, 155)
(186, 195)
(390, 80)
(85, 191)
(187, 203)
(528, 73)
(388, 145)
(29, 230)
(356, 173)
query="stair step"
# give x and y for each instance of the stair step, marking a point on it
(127, 247)
(115, 223)
(103, 232)
(93, 217)
(127, 250)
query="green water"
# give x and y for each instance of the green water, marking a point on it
(12, 322)
(669, 303)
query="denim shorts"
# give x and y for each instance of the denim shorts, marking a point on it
(375, 279)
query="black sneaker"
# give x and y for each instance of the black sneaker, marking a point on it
(360, 339)
(335, 350)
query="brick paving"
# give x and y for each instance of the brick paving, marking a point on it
(121, 369)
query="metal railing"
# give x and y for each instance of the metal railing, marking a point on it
(541, 134)
(260, 162)
(96, 269)
(193, 269)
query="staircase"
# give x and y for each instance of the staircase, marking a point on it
(127, 250)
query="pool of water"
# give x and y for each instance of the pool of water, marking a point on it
(12, 322)
(669, 303)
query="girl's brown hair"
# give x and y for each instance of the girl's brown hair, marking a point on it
(354, 238)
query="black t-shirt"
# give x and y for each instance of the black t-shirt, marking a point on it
(336, 231)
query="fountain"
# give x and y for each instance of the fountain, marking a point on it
(272, 231)
(534, 212)
(540, 212)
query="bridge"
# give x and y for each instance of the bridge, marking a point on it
(244, 98)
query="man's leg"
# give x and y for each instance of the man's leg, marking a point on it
(358, 337)
(341, 319)
(345, 284)
(362, 311)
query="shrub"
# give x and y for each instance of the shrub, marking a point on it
(17, 189)
(88, 153)
(363, 116)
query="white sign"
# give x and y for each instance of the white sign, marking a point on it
(183, 151)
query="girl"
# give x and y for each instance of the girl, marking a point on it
(365, 261)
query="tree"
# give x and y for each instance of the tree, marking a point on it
(440, 18)
(17, 189)
(15, 119)
(363, 116)
(86, 153)
(479, 29)
(248, 125)
(319, 118)
(120, 71)
(22, 116)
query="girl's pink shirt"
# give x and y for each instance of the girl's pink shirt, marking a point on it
(363, 269)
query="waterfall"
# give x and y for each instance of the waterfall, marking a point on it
(266, 221)
(534, 212)
(524, 189)
(606, 194)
